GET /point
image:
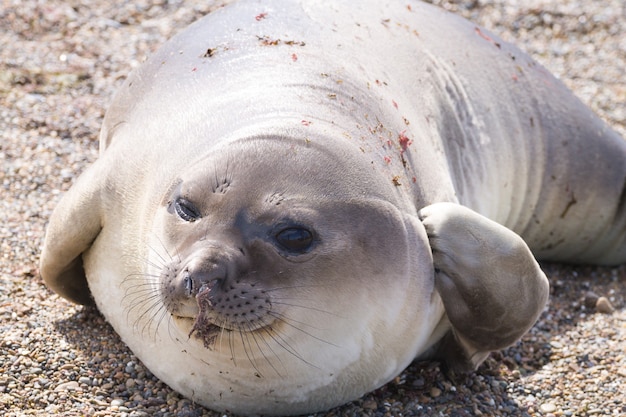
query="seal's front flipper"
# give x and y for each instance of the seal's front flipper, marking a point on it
(492, 288)
(74, 225)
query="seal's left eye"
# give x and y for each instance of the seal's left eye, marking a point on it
(295, 239)
(186, 210)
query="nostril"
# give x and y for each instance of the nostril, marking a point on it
(192, 283)
(188, 283)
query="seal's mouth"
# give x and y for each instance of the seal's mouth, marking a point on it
(200, 326)
(212, 316)
(207, 308)
(204, 329)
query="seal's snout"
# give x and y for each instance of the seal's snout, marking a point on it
(208, 265)
(206, 270)
(200, 280)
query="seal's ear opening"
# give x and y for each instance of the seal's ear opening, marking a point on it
(74, 225)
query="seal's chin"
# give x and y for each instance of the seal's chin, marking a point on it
(206, 326)
(199, 327)
(184, 323)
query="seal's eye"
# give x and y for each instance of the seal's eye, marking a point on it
(295, 239)
(186, 210)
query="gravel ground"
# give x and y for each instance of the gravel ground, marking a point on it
(61, 61)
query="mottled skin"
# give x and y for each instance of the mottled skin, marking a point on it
(296, 199)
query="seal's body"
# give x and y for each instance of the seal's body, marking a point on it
(295, 199)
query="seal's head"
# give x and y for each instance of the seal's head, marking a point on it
(280, 274)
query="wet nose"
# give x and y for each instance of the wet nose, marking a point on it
(203, 278)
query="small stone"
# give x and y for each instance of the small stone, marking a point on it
(590, 300)
(84, 380)
(435, 392)
(369, 405)
(603, 305)
(419, 383)
(547, 407)
(117, 402)
(68, 386)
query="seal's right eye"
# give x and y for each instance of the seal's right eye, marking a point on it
(295, 239)
(186, 210)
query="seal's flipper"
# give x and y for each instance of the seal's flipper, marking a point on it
(74, 225)
(492, 288)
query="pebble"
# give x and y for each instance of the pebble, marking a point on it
(591, 299)
(84, 380)
(369, 405)
(60, 359)
(435, 392)
(556, 345)
(547, 408)
(68, 386)
(603, 305)
(418, 383)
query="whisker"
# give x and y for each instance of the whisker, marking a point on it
(164, 247)
(165, 261)
(284, 317)
(267, 359)
(135, 282)
(138, 275)
(137, 285)
(148, 262)
(280, 341)
(221, 335)
(169, 329)
(138, 297)
(232, 348)
(139, 289)
(245, 350)
(294, 287)
(142, 298)
(278, 316)
(303, 307)
(156, 303)
(164, 314)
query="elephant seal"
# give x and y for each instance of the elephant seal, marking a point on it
(295, 199)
